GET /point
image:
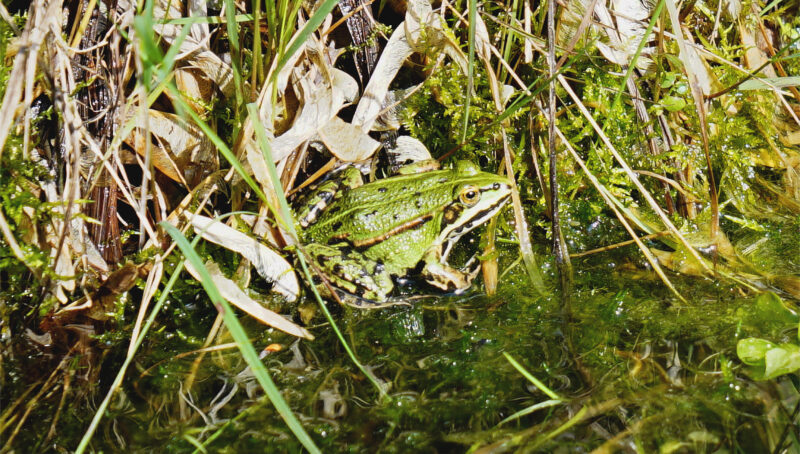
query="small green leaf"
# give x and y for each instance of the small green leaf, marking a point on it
(668, 80)
(673, 104)
(776, 360)
(752, 351)
(781, 360)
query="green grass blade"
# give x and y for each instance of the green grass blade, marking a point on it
(526, 411)
(313, 23)
(542, 387)
(233, 39)
(242, 341)
(472, 16)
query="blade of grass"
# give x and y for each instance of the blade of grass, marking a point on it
(561, 429)
(632, 65)
(242, 341)
(257, 70)
(300, 37)
(264, 144)
(542, 387)
(526, 411)
(233, 39)
(472, 16)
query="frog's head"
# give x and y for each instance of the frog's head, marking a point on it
(476, 197)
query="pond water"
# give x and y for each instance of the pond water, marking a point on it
(636, 369)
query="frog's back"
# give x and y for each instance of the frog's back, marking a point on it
(382, 207)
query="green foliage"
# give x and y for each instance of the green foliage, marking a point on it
(25, 214)
(767, 359)
(435, 115)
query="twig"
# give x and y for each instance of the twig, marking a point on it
(618, 245)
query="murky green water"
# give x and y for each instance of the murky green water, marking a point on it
(655, 373)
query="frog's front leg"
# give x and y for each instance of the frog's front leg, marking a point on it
(441, 275)
(365, 282)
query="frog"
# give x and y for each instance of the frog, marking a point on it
(360, 237)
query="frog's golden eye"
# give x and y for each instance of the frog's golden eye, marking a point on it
(469, 195)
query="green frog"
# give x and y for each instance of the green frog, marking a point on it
(360, 236)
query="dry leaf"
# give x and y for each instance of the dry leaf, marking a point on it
(234, 295)
(268, 263)
(347, 142)
(420, 32)
(183, 152)
(320, 103)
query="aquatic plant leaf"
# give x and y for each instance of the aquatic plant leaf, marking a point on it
(673, 103)
(751, 351)
(776, 360)
(768, 315)
(771, 307)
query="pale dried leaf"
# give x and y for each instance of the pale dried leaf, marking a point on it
(347, 142)
(84, 247)
(623, 27)
(268, 263)
(483, 43)
(697, 68)
(320, 104)
(396, 51)
(753, 56)
(214, 69)
(420, 32)
(234, 295)
(198, 89)
(408, 148)
(260, 170)
(184, 153)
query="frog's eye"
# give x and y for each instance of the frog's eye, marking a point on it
(469, 195)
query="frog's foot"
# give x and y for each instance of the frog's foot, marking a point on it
(359, 281)
(443, 276)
